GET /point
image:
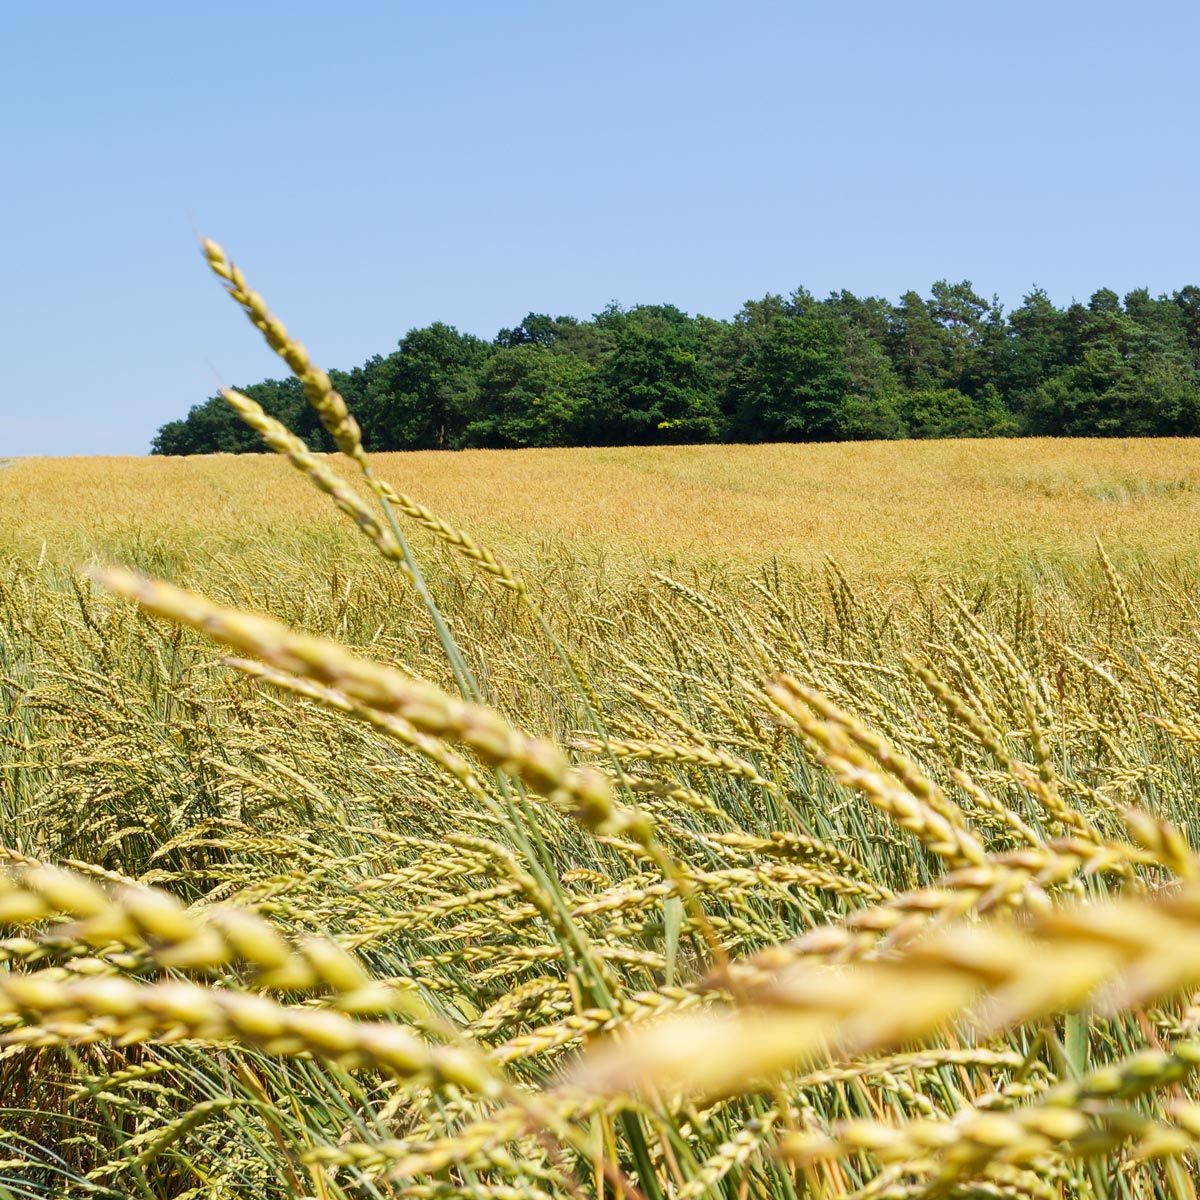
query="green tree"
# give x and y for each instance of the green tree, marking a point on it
(872, 316)
(964, 319)
(1132, 374)
(586, 341)
(1187, 300)
(950, 340)
(214, 428)
(915, 343)
(870, 418)
(655, 385)
(1034, 350)
(948, 413)
(423, 396)
(870, 409)
(793, 377)
(530, 396)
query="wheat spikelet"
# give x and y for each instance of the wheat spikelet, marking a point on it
(1078, 1118)
(120, 1008)
(344, 430)
(655, 751)
(577, 1026)
(162, 930)
(985, 732)
(729, 1155)
(897, 764)
(986, 803)
(283, 441)
(1164, 843)
(782, 844)
(1135, 950)
(851, 766)
(330, 406)
(917, 1061)
(395, 726)
(538, 762)
(462, 543)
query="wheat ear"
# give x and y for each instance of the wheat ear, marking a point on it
(321, 394)
(1116, 954)
(538, 762)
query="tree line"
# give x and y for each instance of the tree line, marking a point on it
(783, 369)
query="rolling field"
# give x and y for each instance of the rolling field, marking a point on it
(662, 857)
(881, 509)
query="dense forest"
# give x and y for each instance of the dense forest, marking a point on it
(783, 369)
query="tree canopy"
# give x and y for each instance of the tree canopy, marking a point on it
(952, 364)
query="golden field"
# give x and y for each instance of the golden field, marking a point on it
(878, 508)
(656, 824)
(741, 872)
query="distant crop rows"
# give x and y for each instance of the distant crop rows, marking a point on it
(883, 510)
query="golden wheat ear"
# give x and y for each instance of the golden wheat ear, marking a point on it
(321, 393)
(1112, 955)
(284, 442)
(538, 762)
(342, 427)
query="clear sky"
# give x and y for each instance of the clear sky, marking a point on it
(378, 166)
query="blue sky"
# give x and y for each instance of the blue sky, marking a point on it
(377, 166)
